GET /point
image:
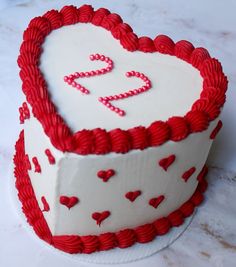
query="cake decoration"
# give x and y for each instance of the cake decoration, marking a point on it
(166, 162)
(72, 77)
(202, 173)
(45, 204)
(156, 201)
(107, 99)
(216, 130)
(132, 195)
(24, 113)
(69, 202)
(99, 217)
(51, 158)
(37, 167)
(187, 174)
(105, 175)
(27, 162)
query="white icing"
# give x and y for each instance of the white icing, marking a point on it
(137, 170)
(175, 83)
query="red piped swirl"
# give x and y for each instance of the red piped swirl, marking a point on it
(88, 244)
(184, 49)
(99, 141)
(164, 44)
(110, 21)
(179, 128)
(69, 15)
(198, 56)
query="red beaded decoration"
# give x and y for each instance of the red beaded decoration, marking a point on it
(45, 204)
(71, 78)
(51, 159)
(24, 113)
(37, 167)
(107, 99)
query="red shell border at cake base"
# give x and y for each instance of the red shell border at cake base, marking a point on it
(92, 243)
(100, 141)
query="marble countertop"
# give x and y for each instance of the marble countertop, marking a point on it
(211, 238)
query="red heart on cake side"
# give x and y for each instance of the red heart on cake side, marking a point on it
(166, 162)
(69, 202)
(186, 175)
(156, 201)
(105, 175)
(100, 216)
(132, 195)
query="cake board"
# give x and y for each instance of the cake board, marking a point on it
(114, 256)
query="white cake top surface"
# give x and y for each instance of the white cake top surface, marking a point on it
(175, 83)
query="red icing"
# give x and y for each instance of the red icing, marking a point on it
(202, 173)
(35, 88)
(24, 112)
(88, 244)
(156, 201)
(166, 162)
(99, 217)
(27, 162)
(132, 195)
(216, 130)
(69, 202)
(51, 158)
(45, 204)
(37, 167)
(187, 174)
(105, 175)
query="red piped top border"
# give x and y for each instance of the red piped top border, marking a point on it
(100, 141)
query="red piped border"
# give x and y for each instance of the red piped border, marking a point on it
(99, 141)
(92, 243)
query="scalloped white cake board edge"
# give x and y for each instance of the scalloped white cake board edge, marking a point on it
(113, 256)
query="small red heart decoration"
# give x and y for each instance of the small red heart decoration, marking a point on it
(156, 201)
(100, 216)
(105, 175)
(45, 204)
(166, 162)
(69, 202)
(186, 175)
(132, 195)
(216, 130)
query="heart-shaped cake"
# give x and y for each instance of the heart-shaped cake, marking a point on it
(117, 129)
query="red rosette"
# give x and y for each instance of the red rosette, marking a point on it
(198, 56)
(218, 80)
(164, 44)
(85, 13)
(55, 19)
(34, 34)
(210, 66)
(42, 230)
(158, 133)
(179, 128)
(187, 209)
(202, 186)
(208, 106)
(120, 141)
(29, 71)
(146, 44)
(31, 47)
(84, 141)
(126, 238)
(129, 41)
(145, 233)
(69, 243)
(198, 120)
(197, 198)
(49, 120)
(42, 24)
(162, 226)
(101, 141)
(202, 173)
(91, 243)
(184, 49)
(138, 137)
(69, 15)
(99, 16)
(107, 241)
(110, 21)
(214, 94)
(26, 59)
(176, 218)
(121, 29)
